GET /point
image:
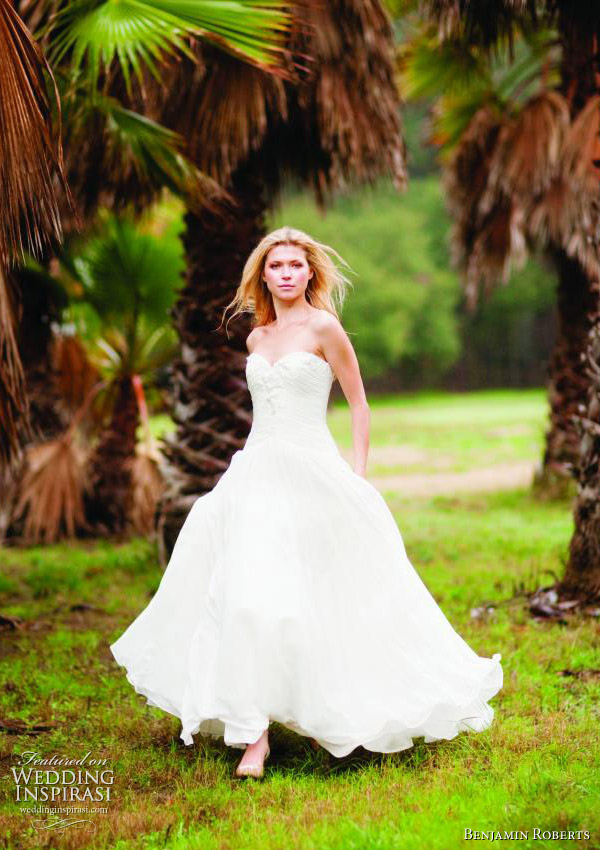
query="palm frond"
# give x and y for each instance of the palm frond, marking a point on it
(452, 115)
(339, 122)
(223, 99)
(499, 245)
(139, 33)
(465, 78)
(582, 147)
(530, 148)
(130, 275)
(74, 373)
(147, 485)
(427, 68)
(51, 490)
(29, 155)
(118, 157)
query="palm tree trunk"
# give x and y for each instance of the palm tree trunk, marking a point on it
(568, 382)
(576, 300)
(108, 502)
(210, 400)
(582, 575)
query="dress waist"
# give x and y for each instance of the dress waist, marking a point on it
(313, 437)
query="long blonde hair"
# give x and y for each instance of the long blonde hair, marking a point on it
(327, 285)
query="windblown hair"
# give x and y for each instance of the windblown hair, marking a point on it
(327, 285)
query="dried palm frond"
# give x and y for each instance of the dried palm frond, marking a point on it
(29, 154)
(54, 483)
(465, 179)
(240, 119)
(29, 219)
(582, 147)
(348, 114)
(75, 375)
(51, 490)
(567, 212)
(530, 148)
(467, 174)
(147, 485)
(337, 122)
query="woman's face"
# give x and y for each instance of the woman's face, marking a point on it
(287, 272)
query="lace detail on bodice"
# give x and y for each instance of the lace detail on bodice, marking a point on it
(289, 399)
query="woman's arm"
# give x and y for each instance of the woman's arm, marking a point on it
(341, 355)
(361, 424)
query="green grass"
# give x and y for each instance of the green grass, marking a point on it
(457, 431)
(535, 767)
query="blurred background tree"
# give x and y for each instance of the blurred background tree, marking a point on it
(130, 279)
(118, 286)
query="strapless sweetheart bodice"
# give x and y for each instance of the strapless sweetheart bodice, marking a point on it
(289, 399)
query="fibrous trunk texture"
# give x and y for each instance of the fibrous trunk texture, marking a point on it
(108, 501)
(211, 404)
(582, 575)
(568, 381)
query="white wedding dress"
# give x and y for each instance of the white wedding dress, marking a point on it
(289, 597)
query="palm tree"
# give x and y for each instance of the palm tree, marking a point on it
(514, 182)
(334, 123)
(113, 154)
(121, 283)
(533, 179)
(129, 278)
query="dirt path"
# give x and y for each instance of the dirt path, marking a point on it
(506, 476)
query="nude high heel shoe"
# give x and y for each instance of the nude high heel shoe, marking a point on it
(256, 771)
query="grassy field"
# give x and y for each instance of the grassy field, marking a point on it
(536, 767)
(451, 431)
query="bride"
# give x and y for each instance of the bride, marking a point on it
(289, 596)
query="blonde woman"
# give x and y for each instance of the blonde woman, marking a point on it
(289, 596)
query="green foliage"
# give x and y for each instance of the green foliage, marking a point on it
(129, 279)
(405, 312)
(127, 274)
(138, 33)
(509, 337)
(421, 157)
(458, 78)
(392, 243)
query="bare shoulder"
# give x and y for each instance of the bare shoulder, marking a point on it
(327, 326)
(253, 338)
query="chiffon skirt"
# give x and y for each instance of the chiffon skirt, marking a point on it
(289, 597)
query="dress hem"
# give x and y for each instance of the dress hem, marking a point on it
(473, 715)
